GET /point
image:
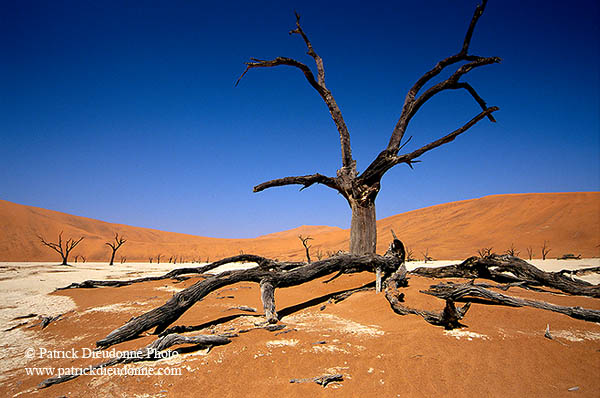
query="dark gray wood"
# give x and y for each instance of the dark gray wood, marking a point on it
(505, 268)
(149, 353)
(466, 291)
(177, 273)
(268, 271)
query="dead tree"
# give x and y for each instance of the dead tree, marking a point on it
(530, 252)
(115, 246)
(304, 241)
(426, 256)
(410, 254)
(62, 248)
(485, 252)
(360, 190)
(545, 250)
(319, 254)
(158, 256)
(511, 251)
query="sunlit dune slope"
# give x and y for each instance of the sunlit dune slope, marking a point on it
(568, 222)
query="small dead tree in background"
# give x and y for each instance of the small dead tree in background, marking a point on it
(320, 255)
(62, 248)
(76, 257)
(115, 246)
(512, 251)
(485, 252)
(158, 256)
(150, 259)
(306, 246)
(83, 259)
(545, 250)
(530, 252)
(123, 259)
(410, 254)
(426, 255)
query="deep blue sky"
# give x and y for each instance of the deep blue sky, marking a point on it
(126, 111)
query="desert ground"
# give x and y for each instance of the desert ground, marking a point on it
(501, 351)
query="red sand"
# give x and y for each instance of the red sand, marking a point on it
(570, 222)
(379, 353)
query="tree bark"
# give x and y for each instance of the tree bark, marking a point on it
(267, 273)
(363, 228)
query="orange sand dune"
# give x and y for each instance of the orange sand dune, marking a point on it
(569, 222)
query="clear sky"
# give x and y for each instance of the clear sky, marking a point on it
(126, 111)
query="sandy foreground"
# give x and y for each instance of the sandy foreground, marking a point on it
(501, 351)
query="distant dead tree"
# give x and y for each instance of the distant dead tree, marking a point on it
(123, 259)
(409, 254)
(119, 241)
(62, 248)
(304, 241)
(545, 250)
(361, 189)
(83, 259)
(150, 260)
(76, 257)
(158, 256)
(320, 255)
(426, 255)
(485, 252)
(530, 252)
(511, 251)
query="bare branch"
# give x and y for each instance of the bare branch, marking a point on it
(448, 84)
(408, 158)
(478, 12)
(318, 85)
(386, 160)
(306, 181)
(311, 51)
(411, 105)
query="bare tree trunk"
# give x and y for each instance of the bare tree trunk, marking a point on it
(112, 257)
(363, 229)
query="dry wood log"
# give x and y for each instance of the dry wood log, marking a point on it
(149, 353)
(448, 318)
(320, 380)
(269, 274)
(466, 291)
(505, 269)
(176, 273)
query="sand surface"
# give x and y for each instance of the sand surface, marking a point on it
(501, 352)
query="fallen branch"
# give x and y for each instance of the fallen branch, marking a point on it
(507, 269)
(320, 380)
(176, 273)
(466, 291)
(269, 274)
(149, 353)
(448, 318)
